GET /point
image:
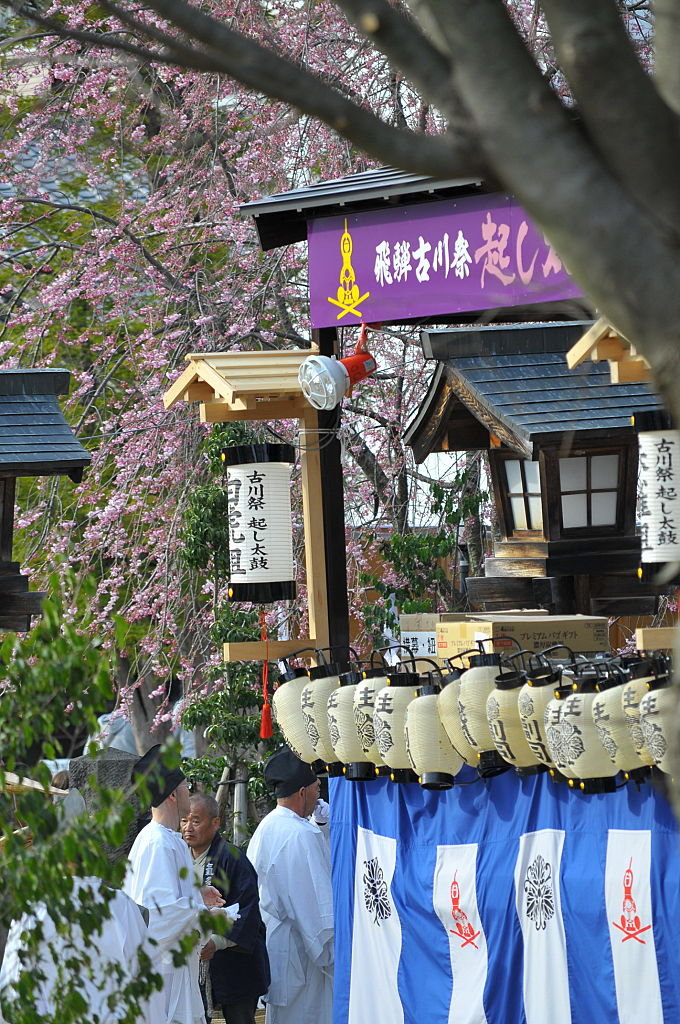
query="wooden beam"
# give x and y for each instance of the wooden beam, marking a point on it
(611, 347)
(258, 650)
(199, 392)
(176, 390)
(313, 517)
(584, 346)
(629, 371)
(222, 412)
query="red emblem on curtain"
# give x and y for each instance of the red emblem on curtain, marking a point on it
(463, 929)
(630, 920)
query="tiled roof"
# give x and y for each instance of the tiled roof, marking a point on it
(35, 439)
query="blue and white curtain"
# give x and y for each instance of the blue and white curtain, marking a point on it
(511, 901)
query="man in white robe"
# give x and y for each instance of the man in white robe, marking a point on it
(292, 858)
(161, 878)
(113, 959)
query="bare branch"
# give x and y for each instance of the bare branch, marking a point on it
(557, 177)
(667, 47)
(637, 134)
(400, 38)
(257, 67)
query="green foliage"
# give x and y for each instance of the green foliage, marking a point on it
(53, 683)
(60, 672)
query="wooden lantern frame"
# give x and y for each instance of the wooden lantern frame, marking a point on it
(249, 386)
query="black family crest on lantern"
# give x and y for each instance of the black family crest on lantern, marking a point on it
(376, 895)
(540, 896)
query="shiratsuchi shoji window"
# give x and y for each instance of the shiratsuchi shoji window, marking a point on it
(524, 494)
(589, 486)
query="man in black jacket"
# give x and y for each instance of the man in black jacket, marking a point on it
(236, 968)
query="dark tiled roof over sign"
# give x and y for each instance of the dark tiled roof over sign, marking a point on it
(282, 218)
(35, 439)
(514, 382)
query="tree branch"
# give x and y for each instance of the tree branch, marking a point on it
(606, 240)
(628, 122)
(259, 68)
(173, 281)
(400, 38)
(666, 48)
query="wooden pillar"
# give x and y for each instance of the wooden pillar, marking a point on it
(333, 498)
(7, 488)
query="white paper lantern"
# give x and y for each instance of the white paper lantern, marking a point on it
(323, 679)
(506, 728)
(631, 695)
(532, 702)
(475, 686)
(432, 756)
(374, 679)
(343, 731)
(612, 724)
(260, 522)
(449, 715)
(658, 510)
(574, 742)
(389, 719)
(658, 719)
(287, 706)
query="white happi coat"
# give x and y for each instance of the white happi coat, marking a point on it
(122, 936)
(292, 860)
(157, 858)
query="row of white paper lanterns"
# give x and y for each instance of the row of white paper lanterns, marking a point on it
(365, 724)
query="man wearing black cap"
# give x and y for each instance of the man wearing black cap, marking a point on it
(292, 860)
(160, 878)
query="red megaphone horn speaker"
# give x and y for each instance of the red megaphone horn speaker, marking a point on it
(325, 380)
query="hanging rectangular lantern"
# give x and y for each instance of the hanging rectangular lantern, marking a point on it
(260, 522)
(659, 495)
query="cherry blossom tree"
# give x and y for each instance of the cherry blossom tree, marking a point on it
(122, 250)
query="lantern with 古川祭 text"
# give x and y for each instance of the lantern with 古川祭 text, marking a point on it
(658, 719)
(389, 719)
(346, 741)
(449, 715)
(373, 679)
(287, 705)
(263, 386)
(323, 680)
(532, 702)
(260, 522)
(432, 756)
(659, 494)
(506, 728)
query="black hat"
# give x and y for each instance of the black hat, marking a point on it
(285, 773)
(160, 779)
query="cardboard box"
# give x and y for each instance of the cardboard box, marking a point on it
(661, 638)
(419, 634)
(581, 633)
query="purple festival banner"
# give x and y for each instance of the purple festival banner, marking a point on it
(429, 259)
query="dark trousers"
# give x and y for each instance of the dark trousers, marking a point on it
(240, 1012)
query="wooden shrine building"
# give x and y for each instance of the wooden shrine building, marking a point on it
(35, 440)
(563, 460)
(387, 247)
